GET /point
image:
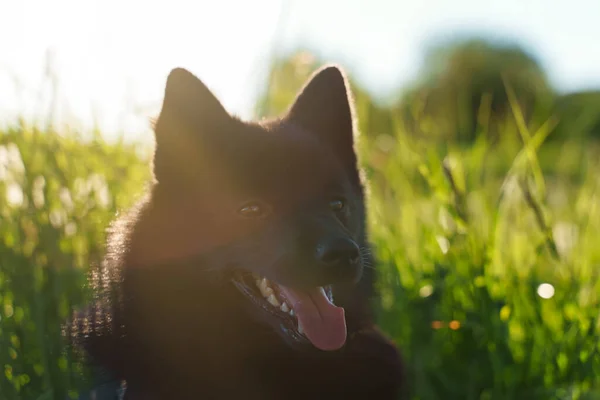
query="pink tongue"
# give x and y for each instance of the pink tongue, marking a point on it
(323, 323)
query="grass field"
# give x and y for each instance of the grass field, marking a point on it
(488, 257)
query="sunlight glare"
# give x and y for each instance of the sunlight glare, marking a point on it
(545, 291)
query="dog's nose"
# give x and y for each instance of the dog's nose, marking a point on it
(338, 252)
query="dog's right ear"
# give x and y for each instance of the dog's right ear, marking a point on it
(190, 112)
(324, 107)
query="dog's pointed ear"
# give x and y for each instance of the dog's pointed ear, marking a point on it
(324, 107)
(190, 111)
(190, 99)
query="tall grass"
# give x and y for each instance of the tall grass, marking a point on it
(490, 280)
(58, 195)
(487, 254)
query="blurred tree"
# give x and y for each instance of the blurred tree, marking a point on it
(579, 115)
(461, 86)
(459, 94)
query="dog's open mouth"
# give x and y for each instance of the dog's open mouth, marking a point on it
(302, 314)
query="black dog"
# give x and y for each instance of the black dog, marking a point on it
(246, 272)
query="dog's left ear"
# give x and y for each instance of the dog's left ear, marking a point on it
(324, 107)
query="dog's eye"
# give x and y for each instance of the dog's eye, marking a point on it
(337, 205)
(254, 209)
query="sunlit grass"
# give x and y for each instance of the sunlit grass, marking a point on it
(58, 196)
(488, 256)
(490, 282)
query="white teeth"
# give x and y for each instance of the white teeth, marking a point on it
(264, 283)
(328, 295)
(273, 300)
(269, 294)
(263, 286)
(300, 330)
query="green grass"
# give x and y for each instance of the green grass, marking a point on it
(58, 195)
(464, 235)
(463, 253)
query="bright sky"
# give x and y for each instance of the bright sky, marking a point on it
(112, 56)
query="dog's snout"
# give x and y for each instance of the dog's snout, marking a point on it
(338, 252)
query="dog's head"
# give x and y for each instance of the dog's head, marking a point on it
(277, 205)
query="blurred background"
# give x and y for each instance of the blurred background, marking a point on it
(480, 124)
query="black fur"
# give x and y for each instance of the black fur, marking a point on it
(167, 318)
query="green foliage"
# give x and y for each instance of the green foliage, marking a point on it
(58, 195)
(463, 254)
(459, 77)
(580, 114)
